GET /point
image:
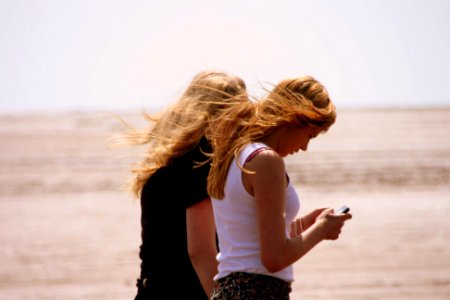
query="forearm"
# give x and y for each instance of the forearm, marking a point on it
(310, 218)
(303, 243)
(202, 248)
(206, 268)
(326, 227)
(293, 249)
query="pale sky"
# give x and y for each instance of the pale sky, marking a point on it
(63, 55)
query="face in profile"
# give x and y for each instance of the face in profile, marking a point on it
(295, 138)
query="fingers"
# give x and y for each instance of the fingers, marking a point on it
(335, 223)
(293, 233)
(341, 217)
(347, 216)
(318, 211)
(325, 212)
(330, 223)
(296, 227)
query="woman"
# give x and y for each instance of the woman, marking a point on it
(253, 201)
(178, 234)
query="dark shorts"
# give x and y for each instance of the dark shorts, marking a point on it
(172, 290)
(249, 286)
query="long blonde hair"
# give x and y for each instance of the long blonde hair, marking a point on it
(180, 127)
(300, 102)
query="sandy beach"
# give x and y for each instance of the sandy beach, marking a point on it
(67, 230)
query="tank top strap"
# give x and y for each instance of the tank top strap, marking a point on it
(256, 152)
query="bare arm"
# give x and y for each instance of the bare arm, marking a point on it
(268, 185)
(201, 236)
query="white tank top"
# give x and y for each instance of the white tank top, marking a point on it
(236, 223)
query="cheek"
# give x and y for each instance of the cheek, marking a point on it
(303, 144)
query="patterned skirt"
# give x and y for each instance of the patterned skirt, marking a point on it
(250, 286)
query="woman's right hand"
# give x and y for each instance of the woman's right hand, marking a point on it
(331, 224)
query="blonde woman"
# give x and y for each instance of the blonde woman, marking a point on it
(254, 203)
(178, 234)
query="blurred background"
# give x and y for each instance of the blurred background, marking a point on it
(65, 55)
(68, 230)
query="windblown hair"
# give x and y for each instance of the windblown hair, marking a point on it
(181, 127)
(293, 102)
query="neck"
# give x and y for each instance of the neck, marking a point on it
(272, 139)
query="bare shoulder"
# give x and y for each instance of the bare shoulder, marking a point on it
(266, 174)
(267, 160)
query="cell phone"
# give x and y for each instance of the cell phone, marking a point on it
(343, 210)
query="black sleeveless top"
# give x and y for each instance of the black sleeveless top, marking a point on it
(165, 263)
